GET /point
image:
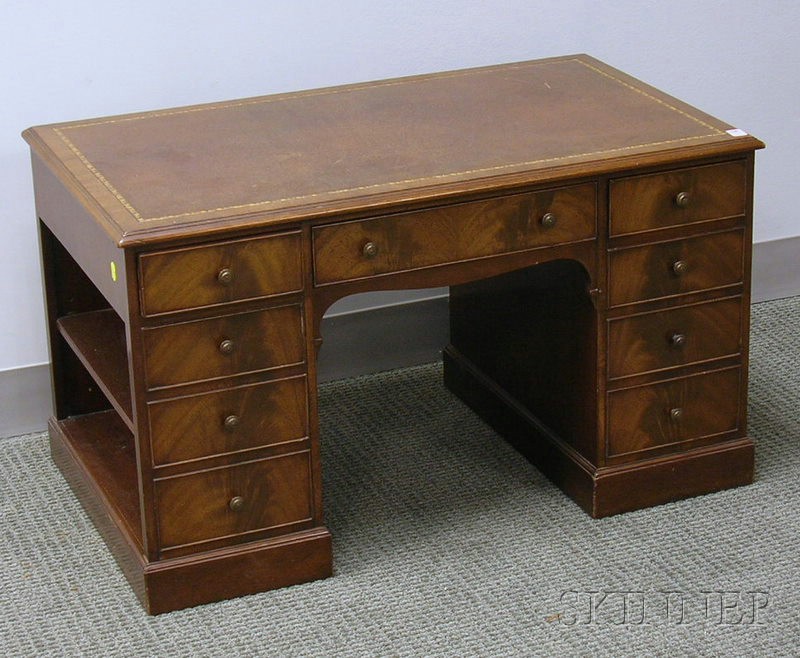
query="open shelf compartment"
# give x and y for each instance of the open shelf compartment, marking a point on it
(97, 451)
(98, 339)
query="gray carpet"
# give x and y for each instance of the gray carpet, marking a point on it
(446, 542)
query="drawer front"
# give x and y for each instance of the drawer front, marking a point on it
(198, 277)
(677, 267)
(234, 501)
(450, 234)
(673, 412)
(645, 203)
(676, 337)
(228, 421)
(223, 346)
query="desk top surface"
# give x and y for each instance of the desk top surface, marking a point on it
(278, 159)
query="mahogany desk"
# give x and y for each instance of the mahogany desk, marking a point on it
(189, 255)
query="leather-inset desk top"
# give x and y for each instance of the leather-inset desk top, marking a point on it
(286, 157)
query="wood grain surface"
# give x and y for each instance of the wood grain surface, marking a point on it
(277, 159)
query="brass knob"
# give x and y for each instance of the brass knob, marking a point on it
(676, 414)
(231, 422)
(236, 503)
(548, 220)
(225, 276)
(370, 250)
(680, 267)
(226, 346)
(677, 340)
(682, 199)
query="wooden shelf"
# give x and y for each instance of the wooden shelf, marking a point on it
(98, 340)
(103, 449)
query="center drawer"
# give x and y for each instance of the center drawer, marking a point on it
(453, 233)
(223, 346)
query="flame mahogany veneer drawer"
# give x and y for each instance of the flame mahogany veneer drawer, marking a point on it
(675, 198)
(673, 412)
(658, 340)
(223, 346)
(449, 234)
(234, 501)
(208, 275)
(676, 267)
(228, 421)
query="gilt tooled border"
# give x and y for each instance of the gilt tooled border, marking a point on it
(323, 92)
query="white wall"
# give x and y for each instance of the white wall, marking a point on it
(736, 59)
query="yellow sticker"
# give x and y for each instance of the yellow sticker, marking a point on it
(113, 271)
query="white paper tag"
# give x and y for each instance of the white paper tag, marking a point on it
(736, 132)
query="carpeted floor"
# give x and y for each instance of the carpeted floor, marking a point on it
(446, 542)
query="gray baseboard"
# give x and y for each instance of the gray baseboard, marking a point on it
(25, 401)
(383, 338)
(358, 342)
(776, 269)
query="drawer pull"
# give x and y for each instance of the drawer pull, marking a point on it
(236, 503)
(231, 422)
(549, 220)
(682, 199)
(226, 346)
(677, 340)
(676, 414)
(370, 250)
(680, 267)
(225, 276)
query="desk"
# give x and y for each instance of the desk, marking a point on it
(595, 234)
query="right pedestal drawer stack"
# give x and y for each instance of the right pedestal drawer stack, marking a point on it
(678, 296)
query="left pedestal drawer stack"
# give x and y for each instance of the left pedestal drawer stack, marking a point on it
(182, 421)
(226, 392)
